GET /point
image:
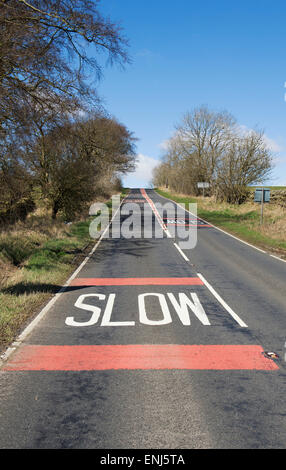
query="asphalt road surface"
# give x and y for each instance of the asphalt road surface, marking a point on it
(154, 345)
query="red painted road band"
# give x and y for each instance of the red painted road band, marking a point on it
(185, 222)
(138, 281)
(187, 225)
(153, 357)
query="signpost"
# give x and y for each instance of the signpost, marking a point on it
(203, 185)
(262, 195)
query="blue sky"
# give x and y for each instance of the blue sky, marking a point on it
(227, 55)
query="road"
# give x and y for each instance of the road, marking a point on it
(154, 346)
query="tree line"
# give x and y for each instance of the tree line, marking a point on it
(56, 138)
(209, 146)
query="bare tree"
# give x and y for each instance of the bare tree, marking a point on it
(76, 160)
(16, 186)
(48, 46)
(209, 147)
(202, 135)
(48, 51)
(246, 161)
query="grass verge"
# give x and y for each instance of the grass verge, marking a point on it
(35, 261)
(242, 221)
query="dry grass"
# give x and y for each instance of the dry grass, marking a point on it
(242, 220)
(274, 216)
(36, 258)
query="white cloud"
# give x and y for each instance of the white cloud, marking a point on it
(147, 54)
(270, 143)
(164, 145)
(142, 175)
(144, 53)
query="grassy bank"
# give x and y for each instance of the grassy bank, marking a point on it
(242, 220)
(36, 259)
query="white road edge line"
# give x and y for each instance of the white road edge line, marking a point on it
(277, 257)
(222, 302)
(220, 229)
(42, 313)
(181, 252)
